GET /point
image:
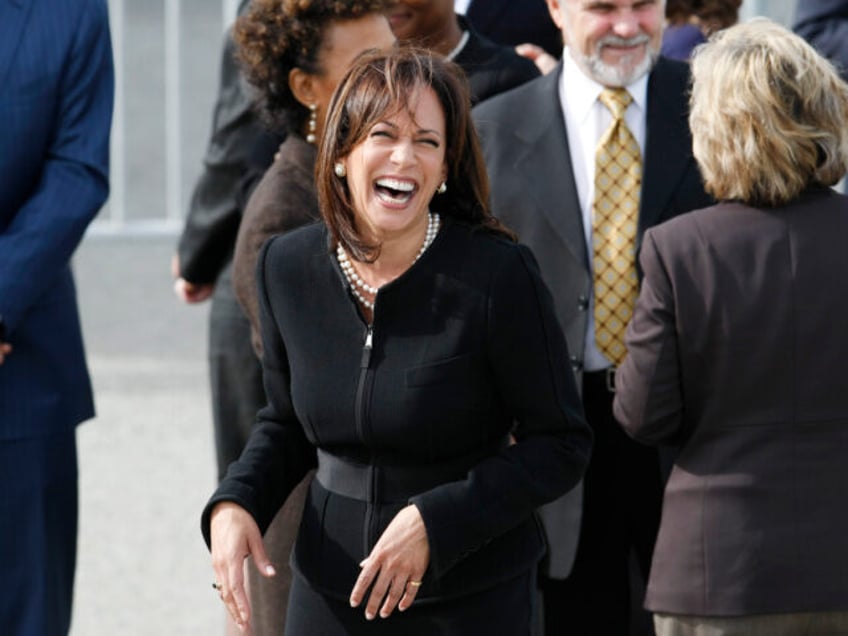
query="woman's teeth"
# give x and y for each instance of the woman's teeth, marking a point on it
(395, 190)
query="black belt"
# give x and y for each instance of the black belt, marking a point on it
(392, 483)
(604, 376)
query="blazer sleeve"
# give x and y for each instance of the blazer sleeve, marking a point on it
(649, 398)
(45, 231)
(207, 240)
(277, 455)
(533, 378)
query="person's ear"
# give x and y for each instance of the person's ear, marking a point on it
(301, 86)
(555, 8)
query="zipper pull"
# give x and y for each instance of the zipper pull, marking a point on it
(366, 350)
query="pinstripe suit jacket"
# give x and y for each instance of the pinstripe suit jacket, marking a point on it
(56, 89)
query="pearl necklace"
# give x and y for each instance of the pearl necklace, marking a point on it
(355, 280)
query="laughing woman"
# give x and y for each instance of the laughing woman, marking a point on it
(405, 339)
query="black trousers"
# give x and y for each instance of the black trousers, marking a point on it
(38, 534)
(621, 513)
(507, 609)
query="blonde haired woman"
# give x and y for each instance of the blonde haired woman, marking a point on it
(737, 351)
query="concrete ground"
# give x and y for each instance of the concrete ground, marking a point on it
(146, 461)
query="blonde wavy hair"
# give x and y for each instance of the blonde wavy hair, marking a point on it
(769, 115)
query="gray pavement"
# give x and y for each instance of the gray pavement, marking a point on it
(146, 461)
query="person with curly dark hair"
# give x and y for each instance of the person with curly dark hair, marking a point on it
(691, 22)
(293, 52)
(411, 354)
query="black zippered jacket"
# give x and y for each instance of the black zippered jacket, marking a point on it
(464, 349)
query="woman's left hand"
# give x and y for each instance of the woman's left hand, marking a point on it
(395, 566)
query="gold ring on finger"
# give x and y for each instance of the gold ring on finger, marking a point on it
(414, 583)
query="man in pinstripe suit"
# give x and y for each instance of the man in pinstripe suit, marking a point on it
(56, 91)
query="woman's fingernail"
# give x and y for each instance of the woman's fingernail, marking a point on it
(269, 570)
(369, 616)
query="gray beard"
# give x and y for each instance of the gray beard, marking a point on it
(608, 75)
(614, 76)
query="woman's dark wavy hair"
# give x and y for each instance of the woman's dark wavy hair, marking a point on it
(377, 85)
(275, 36)
(713, 15)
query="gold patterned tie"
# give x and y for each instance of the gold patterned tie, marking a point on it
(618, 179)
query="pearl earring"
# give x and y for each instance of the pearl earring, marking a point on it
(312, 124)
(340, 170)
(442, 188)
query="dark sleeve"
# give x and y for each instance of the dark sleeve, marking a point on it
(515, 71)
(207, 240)
(824, 24)
(73, 183)
(259, 159)
(534, 380)
(520, 22)
(277, 455)
(648, 397)
(492, 69)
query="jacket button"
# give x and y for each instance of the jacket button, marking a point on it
(582, 303)
(576, 364)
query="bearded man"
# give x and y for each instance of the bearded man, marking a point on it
(582, 161)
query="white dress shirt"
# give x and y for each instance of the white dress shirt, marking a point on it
(586, 120)
(461, 6)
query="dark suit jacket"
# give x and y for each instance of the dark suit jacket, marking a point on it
(533, 191)
(206, 244)
(737, 351)
(824, 24)
(491, 68)
(514, 22)
(463, 345)
(55, 115)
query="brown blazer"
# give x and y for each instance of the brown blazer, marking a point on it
(737, 352)
(283, 200)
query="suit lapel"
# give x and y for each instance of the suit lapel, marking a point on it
(666, 158)
(545, 158)
(13, 15)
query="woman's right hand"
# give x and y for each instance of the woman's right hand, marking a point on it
(234, 536)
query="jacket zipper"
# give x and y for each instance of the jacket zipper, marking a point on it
(361, 417)
(364, 363)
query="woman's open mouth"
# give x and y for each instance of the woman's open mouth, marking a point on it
(395, 191)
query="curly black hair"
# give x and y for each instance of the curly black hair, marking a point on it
(275, 36)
